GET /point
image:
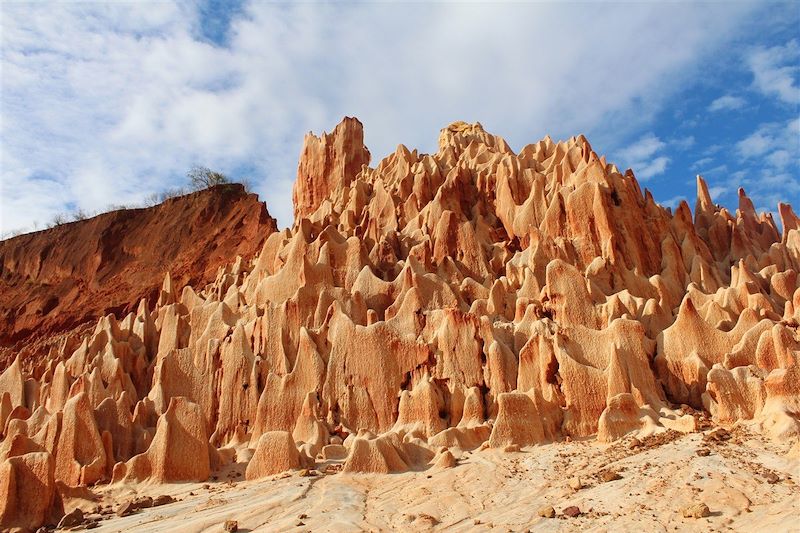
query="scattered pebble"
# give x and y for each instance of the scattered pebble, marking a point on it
(609, 475)
(697, 510)
(576, 483)
(72, 519)
(164, 499)
(125, 509)
(717, 435)
(231, 526)
(547, 512)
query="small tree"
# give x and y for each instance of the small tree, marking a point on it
(203, 178)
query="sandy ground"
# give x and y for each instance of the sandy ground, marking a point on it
(747, 483)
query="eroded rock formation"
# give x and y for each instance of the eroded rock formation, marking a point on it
(472, 297)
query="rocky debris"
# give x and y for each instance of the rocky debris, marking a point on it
(547, 512)
(576, 483)
(607, 475)
(145, 502)
(332, 469)
(471, 298)
(703, 452)
(71, 519)
(126, 508)
(163, 499)
(572, 511)
(426, 520)
(696, 510)
(231, 526)
(717, 435)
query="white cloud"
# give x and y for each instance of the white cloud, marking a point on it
(642, 149)
(775, 71)
(727, 102)
(770, 161)
(652, 168)
(773, 140)
(714, 170)
(717, 190)
(642, 157)
(701, 163)
(683, 143)
(107, 103)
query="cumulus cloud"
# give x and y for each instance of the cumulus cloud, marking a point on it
(643, 157)
(770, 156)
(701, 163)
(727, 102)
(775, 71)
(107, 103)
(773, 140)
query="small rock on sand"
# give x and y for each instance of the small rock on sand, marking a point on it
(771, 477)
(125, 509)
(144, 503)
(572, 511)
(231, 525)
(576, 483)
(71, 519)
(717, 435)
(609, 475)
(697, 510)
(164, 499)
(547, 512)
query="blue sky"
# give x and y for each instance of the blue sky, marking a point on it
(104, 104)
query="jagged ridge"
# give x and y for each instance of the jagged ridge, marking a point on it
(468, 296)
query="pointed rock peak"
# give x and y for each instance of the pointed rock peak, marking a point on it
(704, 202)
(746, 207)
(789, 220)
(327, 164)
(167, 294)
(585, 146)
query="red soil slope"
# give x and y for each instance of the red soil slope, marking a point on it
(54, 280)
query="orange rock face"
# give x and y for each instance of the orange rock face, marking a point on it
(469, 298)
